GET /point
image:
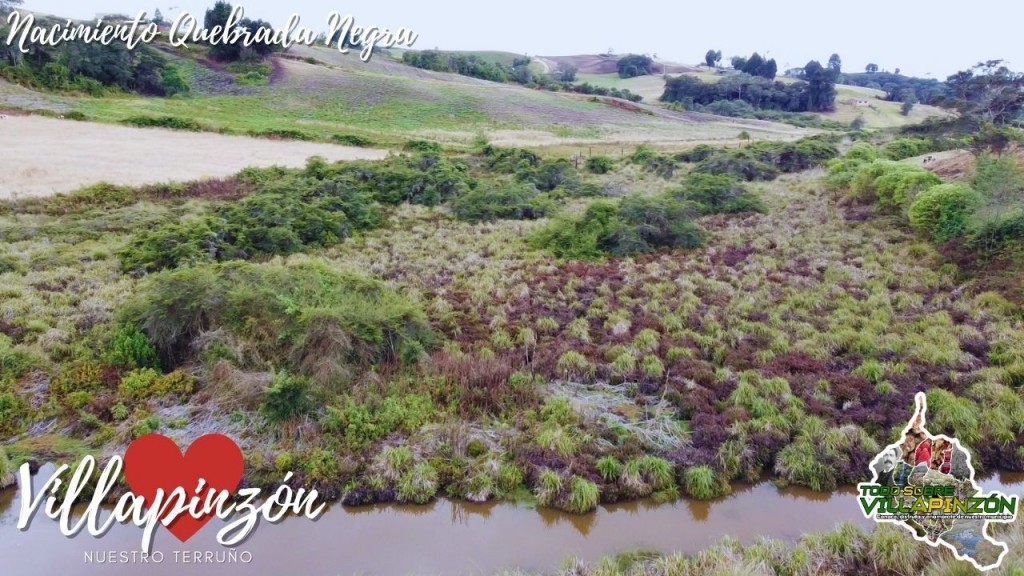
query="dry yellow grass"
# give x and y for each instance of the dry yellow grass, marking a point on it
(53, 156)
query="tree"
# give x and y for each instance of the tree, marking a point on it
(6, 5)
(712, 58)
(835, 63)
(635, 65)
(821, 87)
(871, 68)
(568, 73)
(907, 107)
(745, 136)
(738, 62)
(158, 17)
(988, 93)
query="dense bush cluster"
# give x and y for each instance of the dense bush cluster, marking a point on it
(93, 69)
(590, 89)
(317, 322)
(293, 211)
(817, 94)
(502, 202)
(762, 160)
(642, 224)
(987, 213)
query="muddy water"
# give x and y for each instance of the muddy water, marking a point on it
(442, 538)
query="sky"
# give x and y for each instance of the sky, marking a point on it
(930, 39)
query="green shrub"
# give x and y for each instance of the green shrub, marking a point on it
(81, 376)
(896, 190)
(741, 164)
(903, 148)
(353, 140)
(862, 184)
(600, 164)
(942, 211)
(719, 194)
(549, 175)
(130, 349)
(509, 202)
(287, 398)
(172, 82)
(997, 232)
(16, 361)
(422, 146)
(14, 415)
(171, 122)
(281, 134)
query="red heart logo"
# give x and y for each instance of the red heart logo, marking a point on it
(154, 462)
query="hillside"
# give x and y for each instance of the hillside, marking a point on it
(319, 93)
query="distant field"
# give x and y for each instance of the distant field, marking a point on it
(54, 156)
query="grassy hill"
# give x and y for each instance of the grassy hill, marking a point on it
(320, 93)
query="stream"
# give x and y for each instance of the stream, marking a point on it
(445, 537)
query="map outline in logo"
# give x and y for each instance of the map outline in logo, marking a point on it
(898, 451)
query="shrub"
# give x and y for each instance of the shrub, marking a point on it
(718, 194)
(903, 148)
(649, 223)
(997, 232)
(172, 83)
(897, 190)
(353, 140)
(739, 164)
(422, 146)
(702, 483)
(130, 349)
(14, 415)
(81, 376)
(942, 211)
(600, 164)
(581, 239)
(862, 184)
(16, 361)
(171, 122)
(509, 202)
(549, 175)
(304, 316)
(287, 398)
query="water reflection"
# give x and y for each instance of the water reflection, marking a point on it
(453, 537)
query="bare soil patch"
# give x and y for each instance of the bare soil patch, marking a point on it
(50, 156)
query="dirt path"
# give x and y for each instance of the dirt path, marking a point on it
(45, 156)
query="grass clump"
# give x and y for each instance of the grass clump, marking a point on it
(584, 496)
(419, 485)
(147, 383)
(702, 483)
(8, 472)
